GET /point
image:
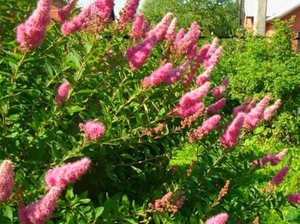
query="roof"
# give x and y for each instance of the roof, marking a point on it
(275, 8)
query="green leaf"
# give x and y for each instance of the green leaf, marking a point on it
(98, 212)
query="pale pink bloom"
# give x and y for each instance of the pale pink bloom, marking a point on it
(219, 90)
(157, 76)
(278, 157)
(92, 129)
(230, 137)
(138, 54)
(62, 93)
(294, 198)
(194, 96)
(176, 73)
(77, 23)
(278, 178)
(204, 77)
(127, 13)
(213, 60)
(216, 106)
(60, 177)
(184, 112)
(207, 126)
(268, 112)
(63, 13)
(184, 45)
(255, 115)
(160, 29)
(178, 204)
(212, 48)
(6, 180)
(245, 107)
(38, 212)
(31, 33)
(170, 35)
(137, 31)
(180, 35)
(218, 219)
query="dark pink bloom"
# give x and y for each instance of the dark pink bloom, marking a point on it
(60, 177)
(92, 129)
(192, 53)
(127, 13)
(194, 96)
(255, 115)
(160, 29)
(62, 93)
(184, 45)
(137, 31)
(102, 8)
(278, 178)
(6, 180)
(205, 128)
(271, 158)
(204, 77)
(173, 169)
(38, 212)
(180, 35)
(218, 219)
(230, 137)
(184, 112)
(157, 76)
(202, 54)
(138, 54)
(219, 90)
(63, 13)
(176, 73)
(216, 106)
(294, 198)
(268, 112)
(278, 157)
(31, 33)
(170, 35)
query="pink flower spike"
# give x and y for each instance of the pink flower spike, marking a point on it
(127, 13)
(205, 128)
(278, 178)
(218, 219)
(38, 212)
(230, 137)
(138, 54)
(213, 60)
(62, 93)
(176, 73)
(137, 27)
(255, 115)
(294, 198)
(184, 112)
(180, 35)
(204, 77)
(278, 157)
(63, 14)
(31, 33)
(157, 76)
(219, 90)
(170, 35)
(92, 129)
(268, 112)
(194, 96)
(216, 106)
(202, 54)
(60, 177)
(6, 180)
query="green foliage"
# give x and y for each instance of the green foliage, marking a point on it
(130, 162)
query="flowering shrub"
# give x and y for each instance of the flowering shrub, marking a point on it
(137, 99)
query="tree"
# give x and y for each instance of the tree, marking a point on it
(217, 17)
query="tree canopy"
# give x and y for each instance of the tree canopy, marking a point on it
(219, 17)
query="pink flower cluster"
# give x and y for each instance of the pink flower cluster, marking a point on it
(205, 128)
(270, 158)
(216, 106)
(138, 54)
(256, 114)
(139, 27)
(278, 178)
(170, 34)
(294, 198)
(219, 90)
(92, 129)
(63, 13)
(176, 73)
(167, 203)
(230, 137)
(127, 13)
(268, 112)
(157, 76)
(60, 177)
(160, 29)
(62, 93)
(31, 33)
(218, 219)
(56, 180)
(244, 107)
(6, 180)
